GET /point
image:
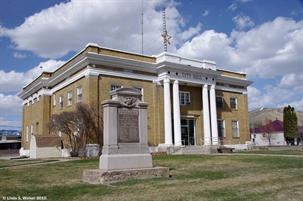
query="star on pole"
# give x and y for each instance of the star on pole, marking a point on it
(166, 37)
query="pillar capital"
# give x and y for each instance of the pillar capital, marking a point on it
(166, 80)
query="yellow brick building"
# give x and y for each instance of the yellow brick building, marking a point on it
(191, 102)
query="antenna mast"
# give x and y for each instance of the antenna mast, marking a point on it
(142, 27)
(165, 36)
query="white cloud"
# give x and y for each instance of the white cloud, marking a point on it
(298, 105)
(206, 12)
(10, 105)
(269, 50)
(271, 96)
(8, 79)
(185, 35)
(207, 46)
(232, 7)
(299, 89)
(19, 56)
(242, 21)
(70, 26)
(7, 124)
(292, 79)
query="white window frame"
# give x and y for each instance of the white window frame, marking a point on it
(236, 104)
(184, 98)
(115, 87)
(79, 94)
(61, 102)
(69, 98)
(222, 99)
(32, 129)
(54, 99)
(26, 134)
(223, 126)
(235, 130)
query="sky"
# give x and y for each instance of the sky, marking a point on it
(262, 38)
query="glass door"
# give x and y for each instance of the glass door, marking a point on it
(184, 135)
(188, 134)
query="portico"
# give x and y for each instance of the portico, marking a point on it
(209, 113)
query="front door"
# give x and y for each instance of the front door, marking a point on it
(188, 134)
(184, 135)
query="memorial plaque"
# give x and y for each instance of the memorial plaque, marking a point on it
(128, 126)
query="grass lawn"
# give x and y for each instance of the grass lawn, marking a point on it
(193, 177)
(274, 152)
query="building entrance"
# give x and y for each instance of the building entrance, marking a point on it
(188, 134)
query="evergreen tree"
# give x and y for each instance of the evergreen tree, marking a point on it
(290, 123)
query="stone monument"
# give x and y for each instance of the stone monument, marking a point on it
(125, 152)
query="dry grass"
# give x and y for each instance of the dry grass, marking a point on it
(194, 177)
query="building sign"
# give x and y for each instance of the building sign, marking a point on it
(192, 76)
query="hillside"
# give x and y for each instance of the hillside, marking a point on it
(258, 116)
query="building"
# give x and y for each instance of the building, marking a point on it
(277, 138)
(276, 135)
(191, 102)
(9, 142)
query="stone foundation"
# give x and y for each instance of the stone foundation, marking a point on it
(98, 176)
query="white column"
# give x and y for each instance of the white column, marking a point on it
(177, 124)
(213, 115)
(167, 113)
(206, 125)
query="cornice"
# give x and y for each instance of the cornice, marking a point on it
(234, 81)
(119, 62)
(165, 66)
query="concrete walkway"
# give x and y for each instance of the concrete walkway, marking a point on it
(15, 157)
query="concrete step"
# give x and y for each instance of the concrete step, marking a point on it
(197, 150)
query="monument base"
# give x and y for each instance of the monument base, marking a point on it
(107, 177)
(125, 161)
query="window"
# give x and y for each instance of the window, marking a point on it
(140, 89)
(219, 102)
(69, 98)
(79, 94)
(54, 99)
(26, 133)
(235, 130)
(115, 87)
(221, 128)
(184, 98)
(61, 102)
(32, 129)
(233, 103)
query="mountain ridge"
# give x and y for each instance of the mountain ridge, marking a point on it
(258, 116)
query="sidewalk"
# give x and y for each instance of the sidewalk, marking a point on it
(8, 156)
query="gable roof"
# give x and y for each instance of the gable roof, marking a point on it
(48, 140)
(277, 126)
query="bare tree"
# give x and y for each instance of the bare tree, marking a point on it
(68, 124)
(81, 127)
(92, 120)
(268, 131)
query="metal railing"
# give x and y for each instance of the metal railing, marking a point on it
(219, 141)
(182, 143)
